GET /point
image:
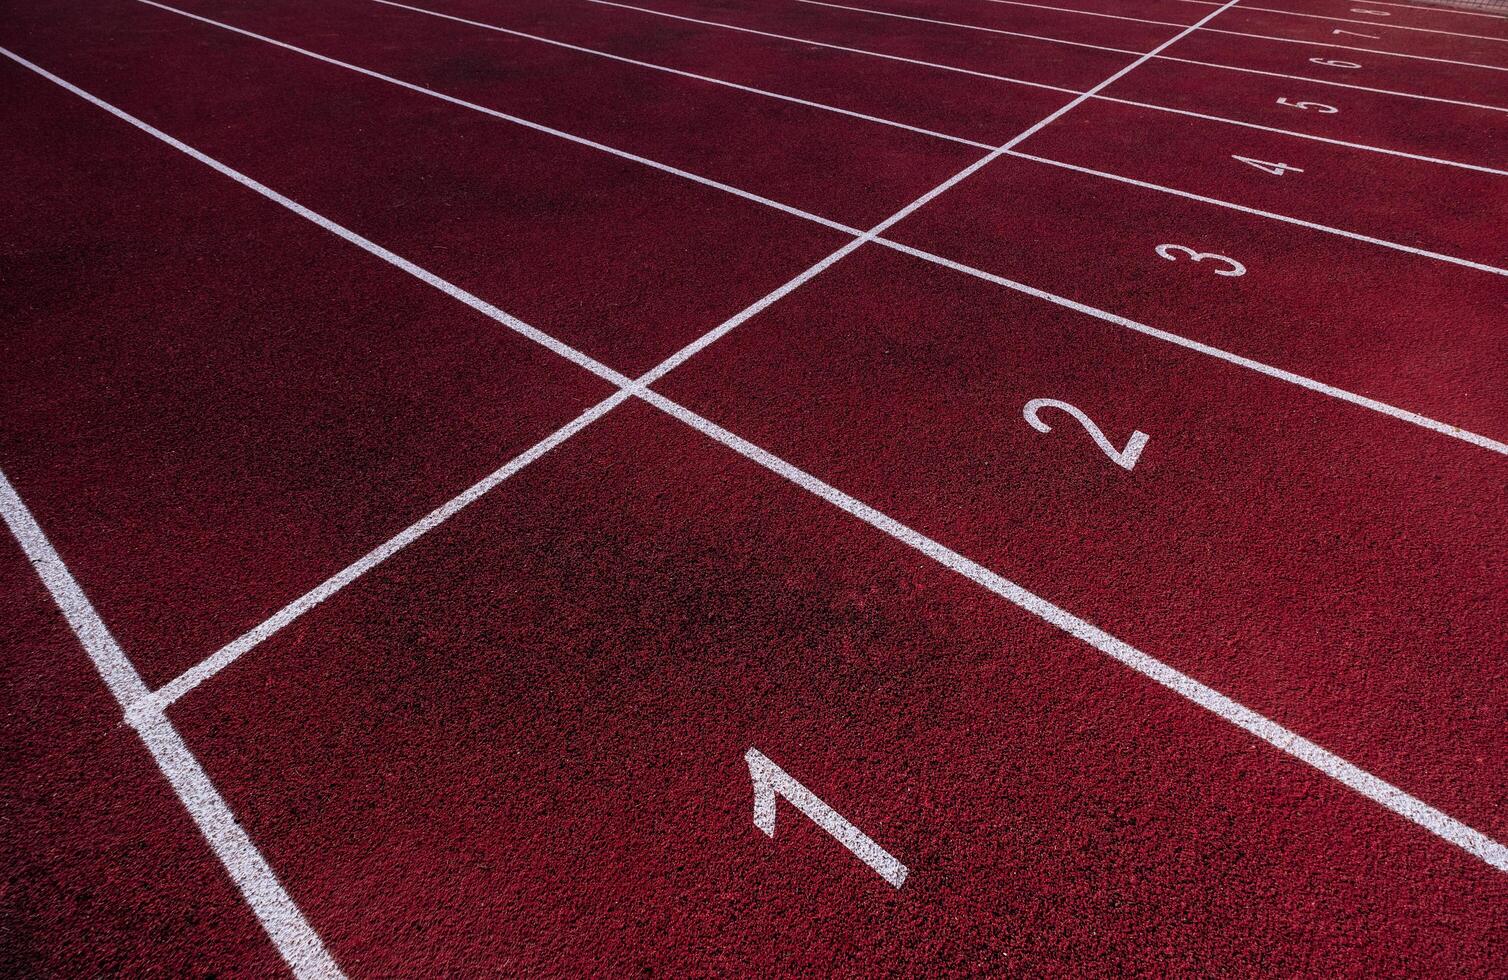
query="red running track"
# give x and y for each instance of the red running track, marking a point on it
(515, 740)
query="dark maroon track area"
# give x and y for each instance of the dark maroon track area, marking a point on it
(466, 458)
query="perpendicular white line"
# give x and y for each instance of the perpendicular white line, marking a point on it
(1369, 23)
(956, 69)
(1362, 782)
(692, 75)
(1100, 47)
(1281, 374)
(516, 120)
(1248, 34)
(1327, 229)
(297, 942)
(160, 699)
(1440, 824)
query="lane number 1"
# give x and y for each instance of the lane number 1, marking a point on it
(771, 781)
(1276, 169)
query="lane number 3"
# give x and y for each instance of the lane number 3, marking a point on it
(1171, 253)
(1124, 458)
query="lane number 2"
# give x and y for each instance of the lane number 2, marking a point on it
(1171, 253)
(1276, 169)
(1319, 107)
(1124, 458)
(771, 781)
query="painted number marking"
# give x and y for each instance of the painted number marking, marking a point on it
(771, 781)
(1374, 13)
(1316, 106)
(1369, 37)
(1168, 252)
(1276, 169)
(1125, 458)
(1331, 62)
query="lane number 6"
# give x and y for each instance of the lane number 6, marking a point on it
(1124, 458)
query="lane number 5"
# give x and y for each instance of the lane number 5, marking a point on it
(1171, 253)
(1124, 458)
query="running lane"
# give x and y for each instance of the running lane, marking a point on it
(1127, 35)
(1379, 36)
(1412, 331)
(624, 261)
(1040, 61)
(105, 874)
(1411, 18)
(1339, 570)
(1442, 209)
(212, 404)
(521, 746)
(966, 106)
(1412, 76)
(1457, 133)
(850, 170)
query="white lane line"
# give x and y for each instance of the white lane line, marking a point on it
(1281, 374)
(1369, 23)
(1396, 246)
(1257, 37)
(687, 74)
(1440, 824)
(1099, 47)
(517, 120)
(1041, 85)
(1424, 253)
(297, 942)
(1391, 797)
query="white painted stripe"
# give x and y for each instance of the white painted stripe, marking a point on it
(1369, 23)
(294, 938)
(1248, 34)
(1362, 782)
(517, 120)
(1409, 807)
(1340, 394)
(1041, 85)
(1100, 47)
(1396, 246)
(687, 74)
